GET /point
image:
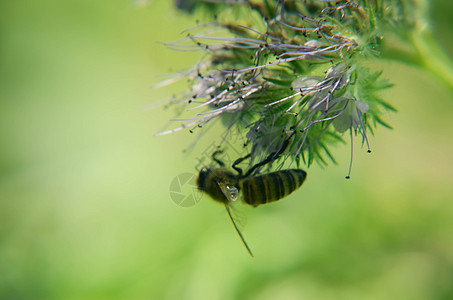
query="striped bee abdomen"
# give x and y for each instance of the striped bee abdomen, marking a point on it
(271, 187)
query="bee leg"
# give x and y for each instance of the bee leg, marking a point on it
(238, 161)
(273, 156)
(214, 158)
(269, 159)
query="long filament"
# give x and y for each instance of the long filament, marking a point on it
(238, 231)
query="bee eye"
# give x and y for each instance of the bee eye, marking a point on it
(202, 177)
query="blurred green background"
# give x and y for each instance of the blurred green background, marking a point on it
(85, 211)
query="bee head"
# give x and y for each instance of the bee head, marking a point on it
(203, 175)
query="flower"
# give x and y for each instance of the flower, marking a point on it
(289, 74)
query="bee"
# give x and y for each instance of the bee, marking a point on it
(224, 186)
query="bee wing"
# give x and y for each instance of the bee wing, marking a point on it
(231, 212)
(230, 191)
(232, 194)
(238, 216)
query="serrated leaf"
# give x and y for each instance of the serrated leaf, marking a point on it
(279, 82)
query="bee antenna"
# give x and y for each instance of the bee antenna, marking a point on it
(238, 231)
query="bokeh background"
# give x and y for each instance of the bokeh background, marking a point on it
(85, 211)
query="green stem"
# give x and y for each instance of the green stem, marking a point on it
(433, 58)
(426, 54)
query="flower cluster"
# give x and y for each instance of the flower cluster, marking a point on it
(286, 72)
